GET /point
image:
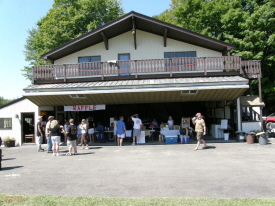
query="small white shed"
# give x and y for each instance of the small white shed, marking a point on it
(18, 119)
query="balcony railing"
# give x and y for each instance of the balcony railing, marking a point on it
(153, 68)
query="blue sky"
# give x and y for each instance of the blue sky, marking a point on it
(18, 16)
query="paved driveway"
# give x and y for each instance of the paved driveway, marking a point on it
(231, 170)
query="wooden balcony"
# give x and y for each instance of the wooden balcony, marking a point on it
(149, 68)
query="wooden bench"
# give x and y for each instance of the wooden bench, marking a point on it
(29, 137)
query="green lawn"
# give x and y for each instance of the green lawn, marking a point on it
(8, 199)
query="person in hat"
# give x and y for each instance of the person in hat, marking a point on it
(48, 134)
(200, 129)
(39, 134)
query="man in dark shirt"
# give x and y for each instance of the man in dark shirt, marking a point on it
(100, 130)
(71, 137)
(39, 134)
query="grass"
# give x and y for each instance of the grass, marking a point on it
(14, 199)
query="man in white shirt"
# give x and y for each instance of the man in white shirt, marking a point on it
(136, 128)
(48, 135)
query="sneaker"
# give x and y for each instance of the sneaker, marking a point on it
(75, 153)
(79, 144)
(69, 154)
(133, 143)
(60, 143)
(86, 147)
(58, 154)
(41, 150)
(49, 151)
(54, 154)
(82, 148)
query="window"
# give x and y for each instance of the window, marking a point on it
(89, 59)
(5, 123)
(93, 69)
(124, 64)
(180, 54)
(174, 64)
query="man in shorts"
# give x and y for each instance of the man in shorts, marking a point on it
(71, 137)
(200, 129)
(121, 130)
(137, 125)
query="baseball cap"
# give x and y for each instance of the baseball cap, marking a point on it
(51, 117)
(198, 114)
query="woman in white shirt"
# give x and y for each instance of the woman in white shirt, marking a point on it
(83, 128)
(170, 122)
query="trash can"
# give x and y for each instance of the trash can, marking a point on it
(226, 136)
(240, 136)
(250, 137)
(262, 136)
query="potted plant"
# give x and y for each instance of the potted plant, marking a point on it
(9, 142)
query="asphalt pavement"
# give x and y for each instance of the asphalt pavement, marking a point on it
(229, 170)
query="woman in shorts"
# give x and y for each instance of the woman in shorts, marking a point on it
(121, 130)
(55, 131)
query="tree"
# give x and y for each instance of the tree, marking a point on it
(4, 101)
(65, 21)
(247, 24)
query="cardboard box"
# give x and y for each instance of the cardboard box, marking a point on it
(176, 127)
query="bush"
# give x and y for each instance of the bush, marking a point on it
(9, 139)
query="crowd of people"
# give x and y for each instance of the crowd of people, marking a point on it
(84, 133)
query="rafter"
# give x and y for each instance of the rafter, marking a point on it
(134, 32)
(165, 37)
(105, 39)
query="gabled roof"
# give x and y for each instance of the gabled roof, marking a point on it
(134, 20)
(12, 102)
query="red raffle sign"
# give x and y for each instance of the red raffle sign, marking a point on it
(80, 108)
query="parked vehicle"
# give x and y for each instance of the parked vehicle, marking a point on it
(269, 119)
(270, 124)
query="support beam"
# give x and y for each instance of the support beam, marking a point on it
(105, 39)
(134, 32)
(165, 37)
(239, 115)
(261, 100)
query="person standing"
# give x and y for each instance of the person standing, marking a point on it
(39, 134)
(91, 130)
(55, 131)
(79, 134)
(48, 134)
(100, 130)
(65, 129)
(83, 128)
(170, 122)
(121, 130)
(115, 129)
(137, 125)
(200, 129)
(71, 133)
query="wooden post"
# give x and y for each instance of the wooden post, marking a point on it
(64, 68)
